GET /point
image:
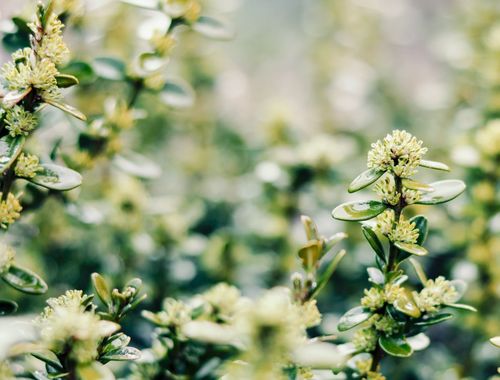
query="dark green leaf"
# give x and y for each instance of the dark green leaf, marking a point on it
(7, 307)
(434, 165)
(66, 80)
(10, 149)
(422, 226)
(352, 318)
(414, 249)
(24, 280)
(364, 179)
(359, 210)
(123, 354)
(177, 93)
(50, 359)
(444, 191)
(327, 274)
(56, 177)
(395, 346)
(374, 241)
(433, 319)
(81, 70)
(213, 28)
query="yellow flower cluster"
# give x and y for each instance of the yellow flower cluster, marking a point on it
(386, 189)
(19, 121)
(375, 297)
(174, 315)
(51, 46)
(163, 44)
(67, 327)
(190, 10)
(10, 210)
(402, 231)
(385, 324)
(222, 302)
(365, 340)
(118, 115)
(435, 293)
(488, 138)
(399, 152)
(363, 367)
(27, 165)
(6, 258)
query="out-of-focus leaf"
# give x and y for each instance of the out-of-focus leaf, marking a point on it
(462, 306)
(213, 28)
(177, 93)
(147, 4)
(7, 307)
(418, 342)
(419, 270)
(109, 68)
(67, 108)
(81, 70)
(101, 288)
(137, 165)
(359, 210)
(375, 275)
(13, 97)
(327, 274)
(94, 371)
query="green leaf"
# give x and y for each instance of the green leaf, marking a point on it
(50, 359)
(13, 97)
(434, 165)
(364, 179)
(406, 305)
(213, 28)
(123, 354)
(177, 93)
(444, 191)
(419, 270)
(462, 306)
(7, 307)
(327, 274)
(10, 149)
(422, 226)
(66, 108)
(56, 177)
(101, 288)
(109, 68)
(66, 80)
(375, 275)
(310, 228)
(147, 4)
(374, 241)
(358, 210)
(495, 341)
(150, 63)
(433, 319)
(461, 287)
(418, 342)
(352, 318)
(137, 165)
(94, 371)
(414, 249)
(414, 185)
(81, 70)
(395, 346)
(332, 241)
(310, 254)
(24, 280)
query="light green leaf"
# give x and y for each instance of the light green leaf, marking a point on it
(10, 149)
(358, 210)
(405, 304)
(332, 241)
(101, 288)
(462, 306)
(364, 179)
(444, 191)
(213, 28)
(395, 346)
(434, 165)
(310, 228)
(418, 342)
(137, 165)
(495, 341)
(7, 307)
(11, 98)
(177, 93)
(374, 241)
(419, 270)
(414, 185)
(352, 318)
(375, 275)
(414, 249)
(123, 354)
(66, 108)
(310, 254)
(24, 280)
(109, 68)
(56, 177)
(147, 4)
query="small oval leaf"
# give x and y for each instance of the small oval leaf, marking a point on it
(422, 226)
(7, 307)
(56, 177)
(137, 164)
(10, 149)
(375, 275)
(66, 80)
(495, 341)
(405, 304)
(364, 179)
(177, 93)
(462, 306)
(434, 165)
(109, 68)
(358, 211)
(123, 354)
(101, 288)
(419, 270)
(444, 191)
(414, 249)
(433, 319)
(414, 185)
(374, 241)
(395, 346)
(419, 342)
(24, 280)
(352, 318)
(66, 108)
(213, 28)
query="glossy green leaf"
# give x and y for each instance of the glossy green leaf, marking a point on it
(7, 307)
(56, 177)
(364, 179)
(177, 93)
(375, 275)
(327, 274)
(395, 346)
(433, 319)
(422, 226)
(419, 271)
(434, 165)
(414, 249)
(66, 80)
(444, 191)
(24, 280)
(101, 288)
(358, 210)
(462, 306)
(123, 354)
(10, 149)
(213, 28)
(414, 185)
(137, 165)
(66, 108)
(406, 305)
(11, 98)
(374, 241)
(418, 342)
(109, 68)
(352, 318)
(49, 358)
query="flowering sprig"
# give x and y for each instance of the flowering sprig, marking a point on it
(392, 317)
